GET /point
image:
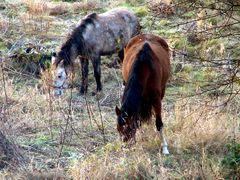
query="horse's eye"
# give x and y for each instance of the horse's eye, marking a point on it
(59, 76)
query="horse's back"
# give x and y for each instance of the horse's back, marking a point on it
(127, 15)
(111, 30)
(159, 52)
(152, 39)
(121, 22)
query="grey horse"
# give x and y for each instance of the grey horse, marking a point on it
(96, 35)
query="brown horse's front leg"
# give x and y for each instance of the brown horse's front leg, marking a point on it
(96, 62)
(84, 69)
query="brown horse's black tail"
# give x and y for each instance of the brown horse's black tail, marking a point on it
(145, 55)
(146, 47)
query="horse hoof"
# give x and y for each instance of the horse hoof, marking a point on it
(165, 151)
(99, 89)
(82, 92)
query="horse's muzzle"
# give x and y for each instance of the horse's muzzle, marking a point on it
(58, 91)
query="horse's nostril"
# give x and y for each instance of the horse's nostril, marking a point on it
(58, 92)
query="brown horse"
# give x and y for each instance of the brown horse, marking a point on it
(146, 69)
(96, 35)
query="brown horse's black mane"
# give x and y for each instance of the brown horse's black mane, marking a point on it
(75, 39)
(133, 104)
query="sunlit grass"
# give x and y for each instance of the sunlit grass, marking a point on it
(62, 137)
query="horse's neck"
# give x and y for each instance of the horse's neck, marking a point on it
(70, 54)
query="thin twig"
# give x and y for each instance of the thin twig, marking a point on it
(103, 129)
(64, 132)
(88, 111)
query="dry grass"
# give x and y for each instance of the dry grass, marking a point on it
(161, 8)
(4, 24)
(62, 139)
(56, 175)
(85, 6)
(34, 119)
(196, 126)
(46, 81)
(37, 7)
(197, 139)
(40, 7)
(41, 16)
(59, 9)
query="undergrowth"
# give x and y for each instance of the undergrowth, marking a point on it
(62, 138)
(231, 160)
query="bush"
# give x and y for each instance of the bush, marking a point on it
(232, 160)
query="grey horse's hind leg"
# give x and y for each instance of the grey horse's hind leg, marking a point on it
(121, 55)
(84, 68)
(96, 62)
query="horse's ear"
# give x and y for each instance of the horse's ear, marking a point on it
(118, 111)
(53, 60)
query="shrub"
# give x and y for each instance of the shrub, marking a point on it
(231, 161)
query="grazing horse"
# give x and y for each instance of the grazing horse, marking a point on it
(96, 35)
(145, 70)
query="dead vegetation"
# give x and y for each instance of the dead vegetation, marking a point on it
(161, 8)
(63, 138)
(195, 137)
(40, 7)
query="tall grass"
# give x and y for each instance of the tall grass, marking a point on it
(197, 137)
(60, 140)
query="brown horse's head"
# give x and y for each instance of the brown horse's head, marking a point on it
(125, 125)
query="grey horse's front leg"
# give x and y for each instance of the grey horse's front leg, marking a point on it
(84, 69)
(96, 62)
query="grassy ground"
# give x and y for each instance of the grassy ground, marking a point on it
(75, 137)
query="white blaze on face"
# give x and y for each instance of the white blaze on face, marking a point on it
(53, 59)
(60, 81)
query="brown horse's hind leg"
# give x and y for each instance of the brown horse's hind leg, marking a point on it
(157, 105)
(84, 68)
(159, 126)
(96, 62)
(164, 143)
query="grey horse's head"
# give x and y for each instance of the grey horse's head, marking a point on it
(60, 74)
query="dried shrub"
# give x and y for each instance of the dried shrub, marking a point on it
(81, 6)
(46, 81)
(37, 7)
(4, 24)
(161, 8)
(58, 9)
